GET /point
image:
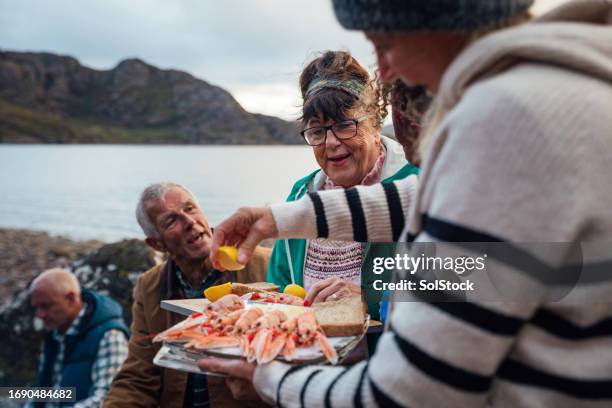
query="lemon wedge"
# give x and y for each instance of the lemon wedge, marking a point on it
(295, 290)
(215, 293)
(227, 258)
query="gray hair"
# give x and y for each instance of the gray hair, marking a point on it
(60, 280)
(155, 191)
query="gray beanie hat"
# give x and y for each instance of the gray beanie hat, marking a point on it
(425, 15)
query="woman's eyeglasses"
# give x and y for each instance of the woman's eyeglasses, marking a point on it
(346, 129)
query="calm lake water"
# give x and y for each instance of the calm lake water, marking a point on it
(90, 192)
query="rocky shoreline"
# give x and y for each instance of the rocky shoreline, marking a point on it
(111, 269)
(24, 254)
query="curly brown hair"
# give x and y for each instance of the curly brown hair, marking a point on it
(332, 103)
(409, 106)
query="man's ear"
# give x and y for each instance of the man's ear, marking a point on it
(156, 244)
(71, 297)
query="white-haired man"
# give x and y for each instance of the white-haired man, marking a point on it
(174, 224)
(87, 342)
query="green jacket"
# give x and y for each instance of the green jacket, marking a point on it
(395, 168)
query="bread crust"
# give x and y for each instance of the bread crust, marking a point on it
(331, 314)
(244, 288)
(332, 330)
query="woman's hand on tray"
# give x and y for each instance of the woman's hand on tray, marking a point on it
(239, 376)
(246, 228)
(332, 289)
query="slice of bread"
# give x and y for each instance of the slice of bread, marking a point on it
(243, 288)
(341, 318)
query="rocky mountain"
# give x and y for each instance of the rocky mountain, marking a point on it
(47, 98)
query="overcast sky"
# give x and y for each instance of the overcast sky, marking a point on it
(253, 48)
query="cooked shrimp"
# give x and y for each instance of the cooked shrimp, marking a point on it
(246, 320)
(208, 342)
(226, 304)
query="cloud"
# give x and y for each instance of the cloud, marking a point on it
(254, 48)
(240, 45)
(278, 99)
(231, 39)
(542, 6)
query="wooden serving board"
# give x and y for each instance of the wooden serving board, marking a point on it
(184, 307)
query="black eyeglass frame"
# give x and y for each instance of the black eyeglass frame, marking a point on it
(327, 128)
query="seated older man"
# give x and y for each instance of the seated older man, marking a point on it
(174, 224)
(88, 339)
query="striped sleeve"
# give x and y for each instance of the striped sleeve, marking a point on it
(422, 348)
(364, 214)
(284, 385)
(472, 353)
(463, 353)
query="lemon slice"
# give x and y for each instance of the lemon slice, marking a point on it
(227, 258)
(295, 290)
(215, 293)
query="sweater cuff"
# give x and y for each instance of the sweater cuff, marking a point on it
(295, 219)
(266, 379)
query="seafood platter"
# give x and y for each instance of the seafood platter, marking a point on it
(261, 327)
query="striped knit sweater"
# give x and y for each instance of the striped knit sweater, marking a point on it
(524, 155)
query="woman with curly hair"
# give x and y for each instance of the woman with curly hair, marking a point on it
(342, 115)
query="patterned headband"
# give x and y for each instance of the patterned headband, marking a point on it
(351, 86)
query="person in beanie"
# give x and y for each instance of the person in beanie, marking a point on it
(518, 149)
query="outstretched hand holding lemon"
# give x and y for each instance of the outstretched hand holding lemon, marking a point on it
(246, 228)
(227, 258)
